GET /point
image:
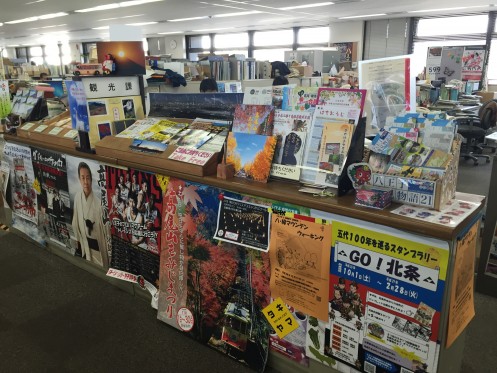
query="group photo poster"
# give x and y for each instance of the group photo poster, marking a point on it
(88, 203)
(134, 201)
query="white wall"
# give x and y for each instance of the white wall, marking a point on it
(75, 51)
(342, 32)
(162, 45)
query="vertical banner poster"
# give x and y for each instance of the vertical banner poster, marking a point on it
(135, 205)
(386, 292)
(54, 215)
(5, 106)
(462, 306)
(4, 182)
(24, 189)
(76, 99)
(213, 290)
(390, 89)
(433, 60)
(89, 215)
(472, 62)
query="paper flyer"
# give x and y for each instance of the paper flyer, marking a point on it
(322, 115)
(258, 96)
(243, 223)
(451, 215)
(192, 156)
(462, 305)
(4, 181)
(354, 98)
(300, 257)
(291, 129)
(5, 105)
(386, 294)
(333, 151)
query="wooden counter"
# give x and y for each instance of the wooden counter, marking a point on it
(285, 192)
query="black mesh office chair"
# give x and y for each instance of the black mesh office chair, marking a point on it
(471, 128)
(488, 117)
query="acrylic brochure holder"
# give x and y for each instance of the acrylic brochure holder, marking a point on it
(354, 155)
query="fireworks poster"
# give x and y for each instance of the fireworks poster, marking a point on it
(213, 290)
(23, 188)
(89, 215)
(54, 216)
(134, 206)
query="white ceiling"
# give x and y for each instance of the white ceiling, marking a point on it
(79, 26)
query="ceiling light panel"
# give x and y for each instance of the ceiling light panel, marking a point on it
(33, 19)
(314, 5)
(236, 14)
(187, 19)
(365, 16)
(123, 4)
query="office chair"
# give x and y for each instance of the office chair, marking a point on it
(472, 129)
(488, 116)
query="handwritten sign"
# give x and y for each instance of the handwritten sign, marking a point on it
(280, 318)
(192, 156)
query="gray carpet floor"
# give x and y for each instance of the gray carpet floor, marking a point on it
(55, 317)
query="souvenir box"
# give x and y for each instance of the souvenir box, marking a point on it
(420, 192)
(374, 198)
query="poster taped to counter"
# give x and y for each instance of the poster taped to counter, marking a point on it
(243, 223)
(386, 293)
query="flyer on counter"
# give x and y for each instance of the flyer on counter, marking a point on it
(451, 215)
(193, 156)
(462, 305)
(243, 223)
(300, 257)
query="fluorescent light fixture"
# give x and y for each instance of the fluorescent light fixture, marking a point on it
(39, 28)
(13, 46)
(100, 28)
(236, 14)
(34, 2)
(1, 24)
(141, 23)
(186, 19)
(213, 29)
(53, 15)
(123, 4)
(113, 18)
(444, 9)
(314, 5)
(365, 16)
(33, 19)
(170, 33)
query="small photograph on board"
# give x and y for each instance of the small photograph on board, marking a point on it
(129, 109)
(104, 130)
(97, 108)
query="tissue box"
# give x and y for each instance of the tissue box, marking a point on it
(375, 198)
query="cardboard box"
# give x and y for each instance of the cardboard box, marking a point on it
(486, 96)
(425, 193)
(304, 70)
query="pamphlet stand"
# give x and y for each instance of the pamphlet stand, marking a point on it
(354, 155)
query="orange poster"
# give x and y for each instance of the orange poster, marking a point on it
(462, 306)
(300, 263)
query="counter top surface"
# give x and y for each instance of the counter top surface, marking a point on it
(287, 192)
